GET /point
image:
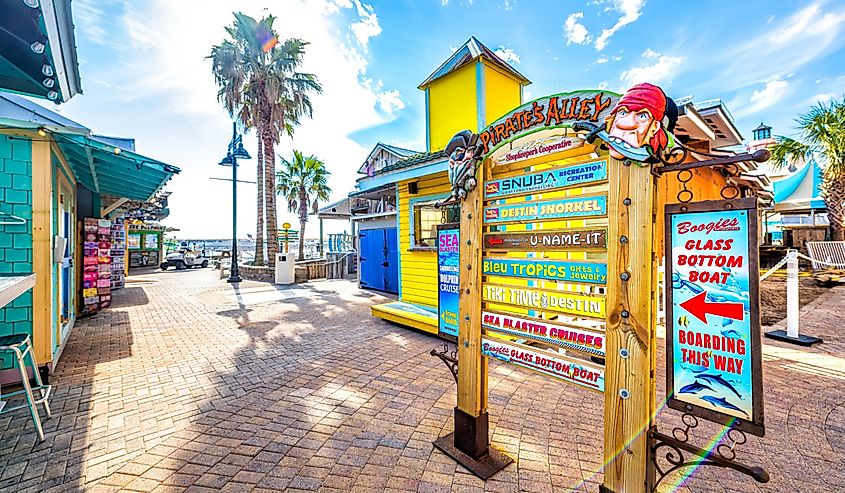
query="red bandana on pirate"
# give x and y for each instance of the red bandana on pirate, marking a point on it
(636, 120)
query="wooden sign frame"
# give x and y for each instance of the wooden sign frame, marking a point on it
(755, 425)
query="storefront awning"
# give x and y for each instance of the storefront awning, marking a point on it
(38, 49)
(107, 169)
(801, 190)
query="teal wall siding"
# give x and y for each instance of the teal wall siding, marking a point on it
(16, 239)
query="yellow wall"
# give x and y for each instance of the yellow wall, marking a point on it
(418, 269)
(42, 246)
(452, 106)
(502, 93)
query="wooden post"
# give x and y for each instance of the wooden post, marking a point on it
(471, 435)
(629, 399)
(469, 445)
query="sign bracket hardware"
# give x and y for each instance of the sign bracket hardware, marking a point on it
(449, 358)
(677, 446)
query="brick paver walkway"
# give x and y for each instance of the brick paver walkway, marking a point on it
(186, 385)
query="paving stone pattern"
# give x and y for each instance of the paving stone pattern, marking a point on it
(184, 385)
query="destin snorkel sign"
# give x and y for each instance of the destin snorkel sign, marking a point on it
(713, 327)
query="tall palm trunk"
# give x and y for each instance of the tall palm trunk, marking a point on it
(270, 190)
(303, 218)
(833, 193)
(259, 222)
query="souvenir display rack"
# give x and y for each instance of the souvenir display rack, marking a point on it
(118, 253)
(96, 265)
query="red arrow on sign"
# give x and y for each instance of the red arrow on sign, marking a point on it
(495, 241)
(699, 307)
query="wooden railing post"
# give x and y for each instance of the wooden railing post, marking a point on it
(629, 399)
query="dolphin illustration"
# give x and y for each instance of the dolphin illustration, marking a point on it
(694, 388)
(732, 334)
(722, 402)
(713, 378)
(693, 368)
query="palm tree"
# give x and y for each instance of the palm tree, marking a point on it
(258, 82)
(299, 180)
(822, 137)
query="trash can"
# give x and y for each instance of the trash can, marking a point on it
(285, 269)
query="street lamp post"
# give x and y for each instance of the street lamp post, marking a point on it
(236, 150)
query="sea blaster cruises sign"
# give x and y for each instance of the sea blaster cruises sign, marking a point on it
(448, 279)
(553, 179)
(558, 110)
(713, 343)
(567, 336)
(574, 208)
(570, 370)
(553, 270)
(571, 239)
(540, 147)
(581, 305)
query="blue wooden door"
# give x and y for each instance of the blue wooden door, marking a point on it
(371, 243)
(391, 261)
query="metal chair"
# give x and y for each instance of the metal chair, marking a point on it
(20, 345)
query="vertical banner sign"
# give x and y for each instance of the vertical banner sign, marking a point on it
(448, 279)
(713, 342)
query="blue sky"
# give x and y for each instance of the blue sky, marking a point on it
(145, 76)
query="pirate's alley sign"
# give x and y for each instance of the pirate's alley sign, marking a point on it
(636, 125)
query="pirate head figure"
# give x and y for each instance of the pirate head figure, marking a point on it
(640, 125)
(464, 152)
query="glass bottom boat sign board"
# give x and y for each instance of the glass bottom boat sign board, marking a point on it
(572, 370)
(713, 353)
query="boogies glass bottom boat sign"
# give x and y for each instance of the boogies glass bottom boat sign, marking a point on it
(713, 337)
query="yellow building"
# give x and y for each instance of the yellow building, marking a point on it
(396, 217)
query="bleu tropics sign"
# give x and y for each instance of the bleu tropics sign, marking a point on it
(569, 176)
(580, 207)
(554, 270)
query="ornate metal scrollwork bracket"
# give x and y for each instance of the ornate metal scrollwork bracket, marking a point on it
(677, 446)
(449, 358)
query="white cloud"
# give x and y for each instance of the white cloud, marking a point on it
(390, 102)
(631, 11)
(617, 58)
(785, 47)
(91, 18)
(602, 60)
(649, 53)
(808, 21)
(774, 91)
(510, 4)
(507, 54)
(603, 85)
(575, 32)
(160, 76)
(367, 27)
(659, 68)
(823, 97)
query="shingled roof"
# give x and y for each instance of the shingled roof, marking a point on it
(471, 50)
